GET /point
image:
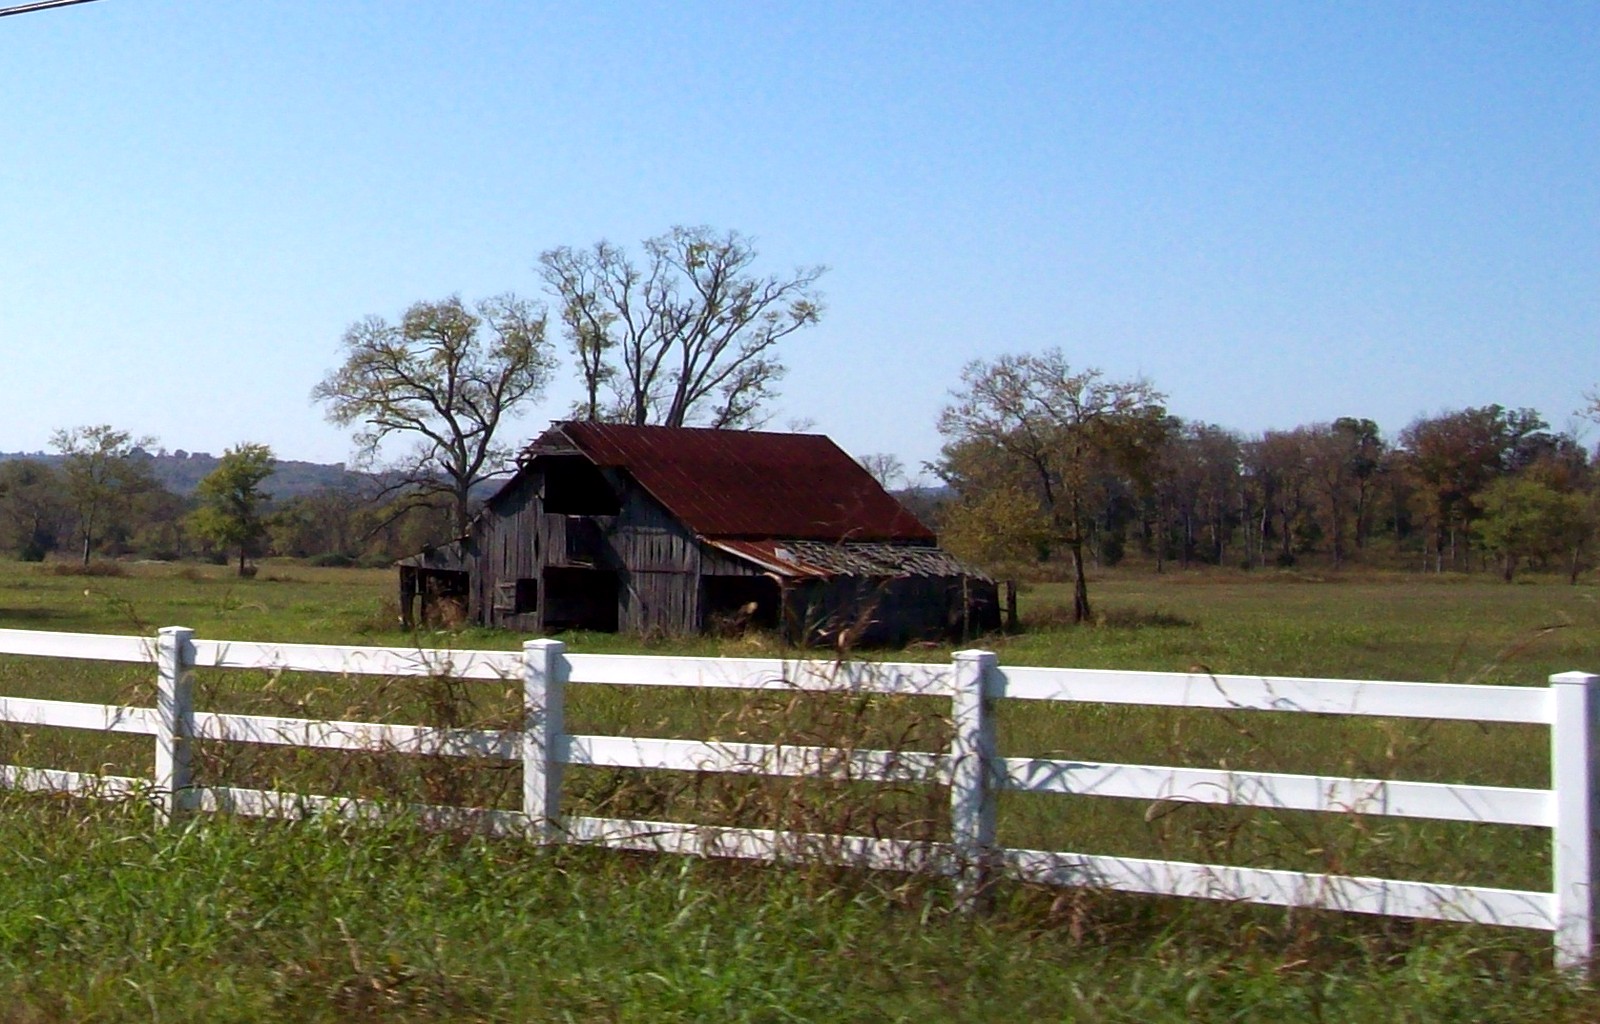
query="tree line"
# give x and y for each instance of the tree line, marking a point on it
(101, 500)
(1052, 464)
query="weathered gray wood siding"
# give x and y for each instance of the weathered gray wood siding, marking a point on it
(660, 565)
(511, 539)
(655, 557)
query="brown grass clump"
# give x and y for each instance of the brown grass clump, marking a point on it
(98, 567)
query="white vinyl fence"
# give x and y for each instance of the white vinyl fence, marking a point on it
(974, 682)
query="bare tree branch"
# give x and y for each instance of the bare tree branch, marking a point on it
(695, 333)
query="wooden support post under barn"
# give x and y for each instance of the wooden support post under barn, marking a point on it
(680, 530)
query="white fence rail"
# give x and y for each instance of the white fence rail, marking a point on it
(972, 769)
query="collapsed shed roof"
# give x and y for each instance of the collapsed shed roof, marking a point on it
(867, 558)
(733, 484)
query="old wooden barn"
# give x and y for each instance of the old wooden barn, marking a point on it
(682, 530)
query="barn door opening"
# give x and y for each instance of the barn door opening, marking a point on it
(577, 598)
(732, 604)
(442, 593)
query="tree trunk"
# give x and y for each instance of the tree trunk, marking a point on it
(1261, 547)
(462, 499)
(241, 561)
(1080, 585)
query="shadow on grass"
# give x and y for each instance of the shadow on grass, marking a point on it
(9, 616)
(1056, 615)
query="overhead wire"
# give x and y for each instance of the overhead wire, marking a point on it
(40, 5)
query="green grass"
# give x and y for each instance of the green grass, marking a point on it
(108, 918)
(104, 917)
(1361, 626)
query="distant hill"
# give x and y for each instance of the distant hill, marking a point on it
(180, 472)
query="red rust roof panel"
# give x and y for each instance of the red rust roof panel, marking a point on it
(744, 483)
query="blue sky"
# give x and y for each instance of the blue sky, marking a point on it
(1278, 213)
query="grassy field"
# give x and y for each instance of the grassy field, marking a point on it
(107, 918)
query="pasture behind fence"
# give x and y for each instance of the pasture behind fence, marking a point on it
(971, 768)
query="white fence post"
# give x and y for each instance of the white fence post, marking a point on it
(544, 681)
(174, 719)
(972, 766)
(1572, 775)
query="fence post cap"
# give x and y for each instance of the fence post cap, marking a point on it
(976, 655)
(1574, 679)
(175, 631)
(544, 645)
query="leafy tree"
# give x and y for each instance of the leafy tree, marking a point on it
(328, 521)
(32, 512)
(1031, 422)
(105, 474)
(1361, 449)
(1523, 518)
(232, 502)
(1279, 465)
(995, 527)
(160, 525)
(1193, 490)
(1453, 457)
(435, 379)
(689, 337)
(1341, 461)
(400, 528)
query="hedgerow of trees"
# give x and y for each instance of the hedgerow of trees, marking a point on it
(1051, 466)
(115, 508)
(1050, 469)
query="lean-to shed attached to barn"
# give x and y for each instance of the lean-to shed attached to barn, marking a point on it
(678, 530)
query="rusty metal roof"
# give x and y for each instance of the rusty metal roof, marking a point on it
(746, 483)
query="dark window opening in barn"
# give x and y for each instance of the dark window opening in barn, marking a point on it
(586, 542)
(733, 604)
(575, 487)
(516, 597)
(580, 599)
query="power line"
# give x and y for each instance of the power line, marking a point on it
(41, 5)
